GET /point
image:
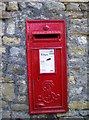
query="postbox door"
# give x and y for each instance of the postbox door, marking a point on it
(47, 78)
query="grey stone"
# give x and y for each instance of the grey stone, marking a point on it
(55, 5)
(11, 27)
(17, 69)
(73, 7)
(8, 91)
(11, 41)
(8, 79)
(37, 5)
(22, 88)
(19, 107)
(21, 115)
(84, 112)
(22, 5)
(4, 105)
(72, 14)
(21, 98)
(5, 15)
(14, 51)
(6, 114)
(2, 6)
(12, 6)
(2, 27)
(84, 6)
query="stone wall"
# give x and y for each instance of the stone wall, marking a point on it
(13, 75)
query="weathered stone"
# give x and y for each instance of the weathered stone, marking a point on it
(7, 79)
(84, 6)
(37, 5)
(79, 22)
(70, 113)
(19, 107)
(55, 5)
(22, 88)
(11, 27)
(21, 115)
(17, 69)
(4, 105)
(71, 80)
(11, 41)
(2, 6)
(77, 51)
(73, 7)
(21, 99)
(6, 114)
(82, 40)
(14, 51)
(5, 15)
(77, 105)
(2, 26)
(22, 5)
(73, 14)
(12, 6)
(0, 41)
(2, 50)
(8, 91)
(84, 112)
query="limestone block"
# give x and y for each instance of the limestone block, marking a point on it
(21, 99)
(11, 27)
(77, 51)
(2, 26)
(73, 14)
(6, 114)
(35, 5)
(77, 105)
(19, 107)
(55, 5)
(73, 7)
(11, 41)
(4, 105)
(5, 15)
(84, 6)
(2, 6)
(71, 80)
(12, 6)
(21, 115)
(8, 91)
(22, 5)
(2, 50)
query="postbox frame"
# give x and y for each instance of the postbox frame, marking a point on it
(64, 107)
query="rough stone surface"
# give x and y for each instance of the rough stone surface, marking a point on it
(35, 5)
(11, 27)
(2, 27)
(19, 107)
(12, 6)
(5, 15)
(83, 6)
(2, 6)
(8, 91)
(22, 5)
(76, 105)
(4, 105)
(10, 40)
(6, 114)
(73, 7)
(55, 5)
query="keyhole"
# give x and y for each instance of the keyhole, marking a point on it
(38, 78)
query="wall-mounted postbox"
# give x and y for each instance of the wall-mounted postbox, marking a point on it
(46, 66)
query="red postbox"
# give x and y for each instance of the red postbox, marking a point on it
(46, 66)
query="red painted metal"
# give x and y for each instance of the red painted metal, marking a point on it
(47, 91)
